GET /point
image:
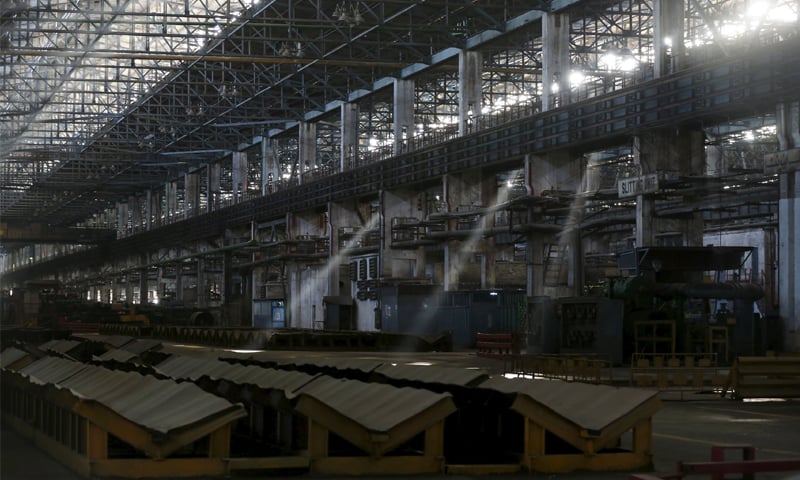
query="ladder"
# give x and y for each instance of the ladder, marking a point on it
(553, 264)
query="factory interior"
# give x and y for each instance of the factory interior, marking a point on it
(423, 238)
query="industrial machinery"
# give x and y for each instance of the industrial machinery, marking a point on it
(689, 300)
(55, 308)
(667, 300)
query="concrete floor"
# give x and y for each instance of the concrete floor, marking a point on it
(684, 430)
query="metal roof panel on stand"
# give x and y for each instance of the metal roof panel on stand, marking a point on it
(377, 419)
(154, 416)
(590, 418)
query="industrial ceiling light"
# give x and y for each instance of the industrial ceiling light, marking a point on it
(348, 13)
(291, 50)
(285, 50)
(621, 59)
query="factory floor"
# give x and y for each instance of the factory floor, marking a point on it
(684, 430)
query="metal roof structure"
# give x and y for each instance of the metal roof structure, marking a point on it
(12, 358)
(116, 341)
(592, 408)
(105, 104)
(140, 345)
(462, 377)
(103, 99)
(192, 368)
(181, 367)
(590, 418)
(174, 414)
(51, 370)
(332, 364)
(116, 355)
(268, 378)
(62, 347)
(374, 417)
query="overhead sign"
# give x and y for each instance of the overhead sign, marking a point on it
(630, 187)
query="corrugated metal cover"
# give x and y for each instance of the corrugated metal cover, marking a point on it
(268, 378)
(592, 407)
(46, 345)
(59, 346)
(116, 355)
(192, 368)
(361, 364)
(433, 374)
(159, 405)
(51, 370)
(140, 346)
(376, 407)
(115, 341)
(11, 355)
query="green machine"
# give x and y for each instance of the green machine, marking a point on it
(689, 300)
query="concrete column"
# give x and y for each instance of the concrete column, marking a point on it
(226, 289)
(461, 192)
(122, 219)
(155, 208)
(349, 137)
(714, 161)
(148, 210)
(668, 36)
(239, 176)
(307, 149)
(535, 243)
(490, 197)
(213, 188)
(112, 295)
(555, 60)
(668, 152)
(178, 282)
(399, 263)
(128, 289)
(270, 169)
(470, 69)
(143, 283)
(787, 163)
(403, 113)
(788, 125)
(789, 258)
(191, 182)
(171, 193)
(341, 216)
(248, 287)
(558, 172)
(535, 269)
(202, 301)
(135, 207)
